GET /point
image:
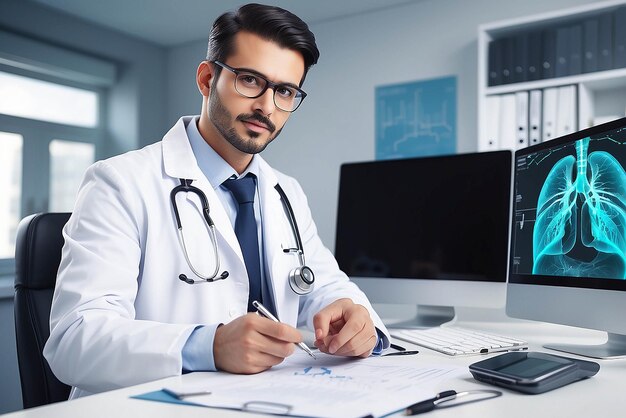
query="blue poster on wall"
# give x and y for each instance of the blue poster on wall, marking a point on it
(416, 119)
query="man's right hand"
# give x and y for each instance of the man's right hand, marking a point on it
(251, 344)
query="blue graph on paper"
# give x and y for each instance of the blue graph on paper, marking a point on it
(416, 119)
(319, 371)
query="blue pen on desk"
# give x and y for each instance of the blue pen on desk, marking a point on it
(266, 313)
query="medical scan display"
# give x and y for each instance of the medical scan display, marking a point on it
(570, 208)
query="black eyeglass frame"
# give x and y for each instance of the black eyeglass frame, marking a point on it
(268, 84)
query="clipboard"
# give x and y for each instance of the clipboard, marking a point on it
(260, 407)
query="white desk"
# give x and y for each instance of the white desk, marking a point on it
(600, 396)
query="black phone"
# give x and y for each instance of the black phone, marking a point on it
(532, 372)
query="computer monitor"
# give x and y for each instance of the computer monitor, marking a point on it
(427, 231)
(568, 241)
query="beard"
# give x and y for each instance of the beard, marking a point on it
(222, 119)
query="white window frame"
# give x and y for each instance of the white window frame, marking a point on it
(36, 150)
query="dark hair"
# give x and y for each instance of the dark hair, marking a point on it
(268, 22)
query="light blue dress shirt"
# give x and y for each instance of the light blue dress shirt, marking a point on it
(198, 350)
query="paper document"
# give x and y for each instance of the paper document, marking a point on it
(330, 386)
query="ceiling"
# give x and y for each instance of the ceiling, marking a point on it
(173, 22)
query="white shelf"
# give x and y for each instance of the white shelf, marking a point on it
(601, 80)
(599, 93)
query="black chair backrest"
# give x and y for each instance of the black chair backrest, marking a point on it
(37, 257)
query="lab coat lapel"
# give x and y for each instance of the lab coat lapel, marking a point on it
(180, 162)
(276, 234)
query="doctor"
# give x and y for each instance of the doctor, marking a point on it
(137, 299)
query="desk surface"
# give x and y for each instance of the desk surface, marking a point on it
(601, 395)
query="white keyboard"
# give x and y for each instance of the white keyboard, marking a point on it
(459, 341)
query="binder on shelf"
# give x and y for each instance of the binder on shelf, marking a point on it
(566, 118)
(548, 116)
(534, 117)
(491, 124)
(507, 132)
(495, 63)
(549, 53)
(619, 47)
(605, 42)
(534, 56)
(520, 60)
(590, 45)
(521, 119)
(508, 58)
(562, 51)
(575, 49)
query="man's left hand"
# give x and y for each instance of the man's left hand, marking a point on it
(345, 328)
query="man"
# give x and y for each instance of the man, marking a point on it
(132, 302)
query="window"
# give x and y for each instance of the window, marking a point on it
(68, 162)
(11, 187)
(42, 100)
(49, 135)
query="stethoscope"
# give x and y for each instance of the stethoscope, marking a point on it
(301, 278)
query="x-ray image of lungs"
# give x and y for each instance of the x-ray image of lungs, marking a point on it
(586, 208)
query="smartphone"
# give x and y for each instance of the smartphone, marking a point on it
(532, 372)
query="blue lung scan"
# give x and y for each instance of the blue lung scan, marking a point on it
(582, 202)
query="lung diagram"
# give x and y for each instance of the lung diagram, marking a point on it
(582, 202)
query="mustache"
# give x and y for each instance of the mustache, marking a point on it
(258, 118)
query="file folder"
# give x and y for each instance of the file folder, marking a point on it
(534, 117)
(590, 45)
(508, 58)
(619, 49)
(521, 117)
(575, 50)
(495, 63)
(562, 51)
(534, 56)
(548, 117)
(491, 124)
(605, 42)
(566, 118)
(549, 53)
(520, 58)
(507, 131)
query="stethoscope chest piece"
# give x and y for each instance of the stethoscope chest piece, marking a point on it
(301, 280)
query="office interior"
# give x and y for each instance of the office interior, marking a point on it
(154, 84)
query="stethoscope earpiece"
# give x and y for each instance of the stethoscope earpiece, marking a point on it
(186, 279)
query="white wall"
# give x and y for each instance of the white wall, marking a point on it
(335, 124)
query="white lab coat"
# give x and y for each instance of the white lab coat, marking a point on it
(120, 315)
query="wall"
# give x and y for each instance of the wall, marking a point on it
(422, 40)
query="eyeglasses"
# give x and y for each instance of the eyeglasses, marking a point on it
(287, 97)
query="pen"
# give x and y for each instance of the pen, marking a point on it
(263, 311)
(402, 353)
(451, 396)
(182, 395)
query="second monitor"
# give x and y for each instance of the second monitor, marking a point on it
(427, 231)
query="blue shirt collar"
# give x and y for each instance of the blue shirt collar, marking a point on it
(212, 165)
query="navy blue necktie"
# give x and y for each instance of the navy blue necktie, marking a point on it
(243, 190)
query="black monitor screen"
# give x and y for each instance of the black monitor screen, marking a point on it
(426, 218)
(569, 225)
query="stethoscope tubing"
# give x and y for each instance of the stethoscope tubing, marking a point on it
(302, 285)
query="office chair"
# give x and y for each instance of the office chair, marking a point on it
(37, 257)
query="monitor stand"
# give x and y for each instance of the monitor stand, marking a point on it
(427, 316)
(614, 347)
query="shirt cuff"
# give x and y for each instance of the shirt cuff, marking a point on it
(382, 343)
(198, 350)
